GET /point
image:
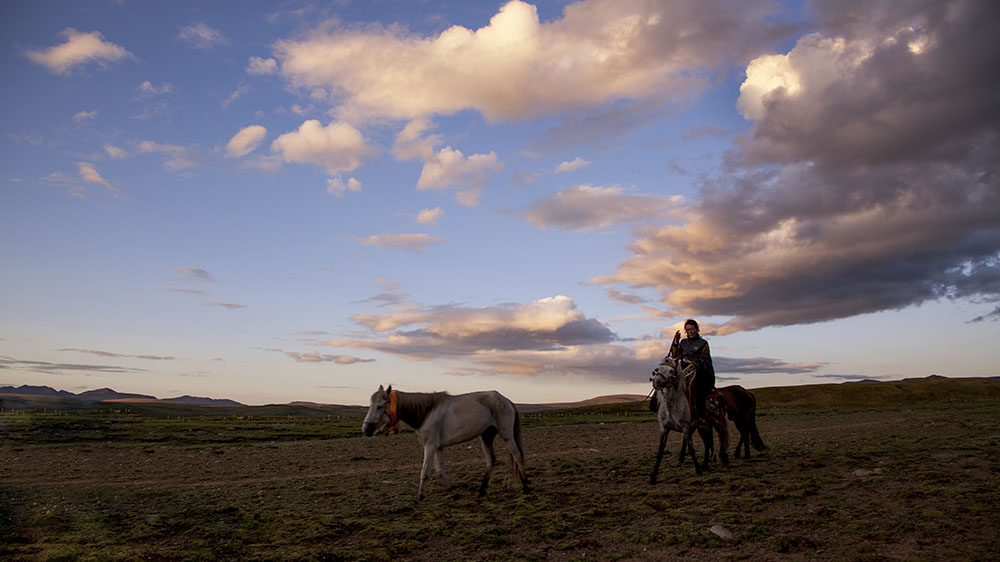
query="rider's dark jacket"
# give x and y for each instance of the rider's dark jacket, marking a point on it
(696, 350)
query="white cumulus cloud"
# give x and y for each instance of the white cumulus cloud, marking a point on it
(430, 216)
(79, 48)
(245, 141)
(450, 168)
(337, 186)
(261, 67)
(518, 67)
(338, 147)
(574, 164)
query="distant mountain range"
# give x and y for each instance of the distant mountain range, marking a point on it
(38, 397)
(109, 395)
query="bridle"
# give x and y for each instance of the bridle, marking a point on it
(387, 408)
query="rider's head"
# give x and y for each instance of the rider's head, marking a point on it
(691, 328)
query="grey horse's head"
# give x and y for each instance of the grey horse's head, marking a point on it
(665, 374)
(377, 409)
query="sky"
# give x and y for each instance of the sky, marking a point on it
(300, 201)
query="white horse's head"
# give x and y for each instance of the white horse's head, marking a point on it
(377, 409)
(665, 374)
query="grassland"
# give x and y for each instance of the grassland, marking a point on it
(854, 472)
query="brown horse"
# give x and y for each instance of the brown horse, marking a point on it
(740, 406)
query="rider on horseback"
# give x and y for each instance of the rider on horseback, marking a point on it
(694, 349)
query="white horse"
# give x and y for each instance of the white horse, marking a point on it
(671, 386)
(442, 419)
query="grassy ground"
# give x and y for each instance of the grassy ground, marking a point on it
(891, 482)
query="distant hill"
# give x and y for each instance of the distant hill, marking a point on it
(597, 401)
(29, 390)
(102, 394)
(27, 393)
(204, 401)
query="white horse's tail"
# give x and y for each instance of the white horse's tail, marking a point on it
(517, 469)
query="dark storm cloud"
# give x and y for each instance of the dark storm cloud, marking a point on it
(868, 183)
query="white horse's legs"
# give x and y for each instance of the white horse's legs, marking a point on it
(659, 454)
(428, 457)
(432, 454)
(439, 462)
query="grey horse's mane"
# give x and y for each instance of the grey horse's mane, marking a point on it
(414, 407)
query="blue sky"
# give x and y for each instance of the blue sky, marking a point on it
(300, 201)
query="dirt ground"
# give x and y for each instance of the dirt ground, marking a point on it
(918, 483)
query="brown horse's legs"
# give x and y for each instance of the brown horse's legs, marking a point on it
(659, 455)
(689, 443)
(706, 439)
(743, 445)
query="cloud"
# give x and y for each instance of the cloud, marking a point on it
(543, 338)
(413, 242)
(90, 175)
(226, 305)
(261, 67)
(993, 316)
(338, 147)
(115, 152)
(84, 115)
(313, 357)
(867, 182)
(194, 292)
(202, 36)
(79, 49)
(449, 168)
(418, 332)
(446, 168)
(179, 157)
(586, 208)
(753, 365)
(572, 165)
(195, 273)
(391, 297)
(241, 88)
(61, 368)
(336, 186)
(110, 354)
(627, 298)
(430, 216)
(412, 143)
(245, 141)
(148, 90)
(518, 67)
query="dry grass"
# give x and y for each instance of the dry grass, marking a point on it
(918, 482)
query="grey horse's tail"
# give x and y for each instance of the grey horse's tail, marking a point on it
(517, 464)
